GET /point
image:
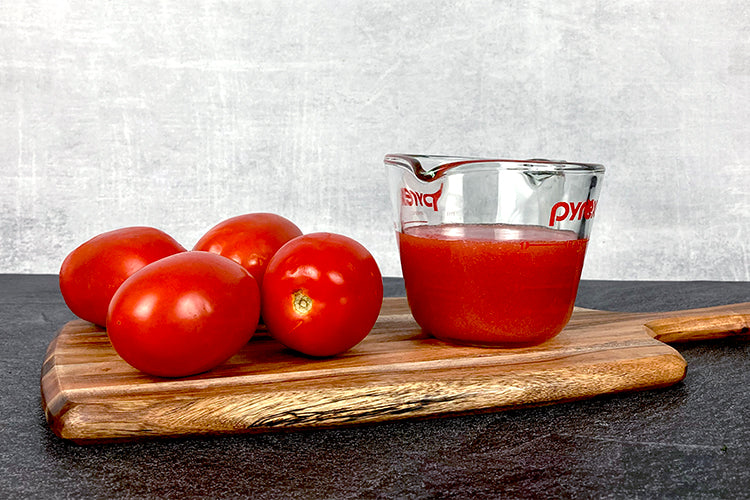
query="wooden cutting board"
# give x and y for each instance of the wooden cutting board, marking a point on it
(90, 394)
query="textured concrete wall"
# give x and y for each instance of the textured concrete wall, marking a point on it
(178, 114)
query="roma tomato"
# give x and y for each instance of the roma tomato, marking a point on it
(321, 294)
(250, 240)
(184, 314)
(91, 274)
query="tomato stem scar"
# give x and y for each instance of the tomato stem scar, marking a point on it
(301, 302)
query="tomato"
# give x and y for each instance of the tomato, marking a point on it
(90, 274)
(184, 314)
(250, 240)
(321, 294)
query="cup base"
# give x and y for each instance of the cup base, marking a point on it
(500, 344)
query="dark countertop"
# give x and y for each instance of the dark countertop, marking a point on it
(690, 440)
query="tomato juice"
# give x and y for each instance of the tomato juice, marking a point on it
(491, 284)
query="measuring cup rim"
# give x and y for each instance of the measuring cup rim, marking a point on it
(430, 167)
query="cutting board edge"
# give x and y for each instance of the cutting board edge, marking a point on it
(71, 422)
(52, 393)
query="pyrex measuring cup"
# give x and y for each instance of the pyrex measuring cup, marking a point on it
(492, 250)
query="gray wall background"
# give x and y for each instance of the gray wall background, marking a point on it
(178, 114)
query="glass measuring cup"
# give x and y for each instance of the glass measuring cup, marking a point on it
(492, 250)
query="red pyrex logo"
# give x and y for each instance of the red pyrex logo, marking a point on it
(563, 209)
(429, 200)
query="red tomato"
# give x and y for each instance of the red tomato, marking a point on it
(322, 294)
(184, 314)
(250, 240)
(91, 273)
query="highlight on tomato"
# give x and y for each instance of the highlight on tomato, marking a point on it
(91, 274)
(250, 240)
(321, 294)
(184, 314)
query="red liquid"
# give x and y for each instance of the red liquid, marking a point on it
(491, 284)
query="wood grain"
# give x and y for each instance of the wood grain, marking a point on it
(90, 394)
